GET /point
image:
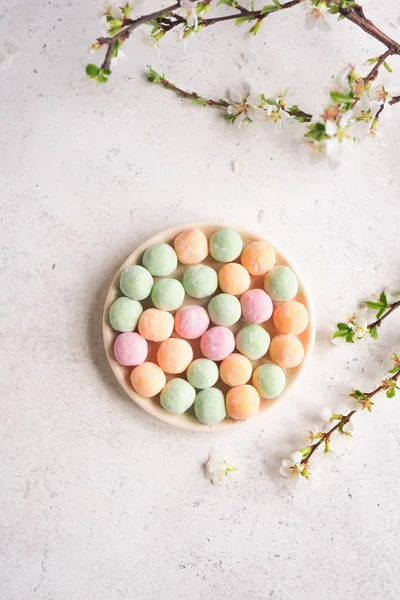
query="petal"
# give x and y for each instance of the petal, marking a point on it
(285, 472)
(237, 167)
(323, 25)
(296, 457)
(254, 100)
(239, 120)
(287, 463)
(116, 13)
(309, 22)
(345, 118)
(235, 96)
(331, 128)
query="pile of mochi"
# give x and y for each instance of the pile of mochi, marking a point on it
(193, 382)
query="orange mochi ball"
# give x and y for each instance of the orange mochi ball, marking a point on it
(286, 351)
(233, 279)
(242, 402)
(235, 370)
(191, 246)
(156, 325)
(148, 379)
(290, 317)
(174, 355)
(258, 258)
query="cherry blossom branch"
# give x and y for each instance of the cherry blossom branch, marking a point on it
(356, 328)
(238, 109)
(298, 463)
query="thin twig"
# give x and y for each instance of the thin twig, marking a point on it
(192, 95)
(378, 322)
(345, 419)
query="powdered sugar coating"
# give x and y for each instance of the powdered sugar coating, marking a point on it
(256, 306)
(130, 349)
(191, 321)
(217, 343)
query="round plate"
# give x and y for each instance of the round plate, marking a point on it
(152, 405)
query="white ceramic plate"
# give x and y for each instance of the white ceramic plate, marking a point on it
(152, 405)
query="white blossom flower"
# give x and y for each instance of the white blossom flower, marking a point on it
(315, 16)
(360, 322)
(188, 11)
(217, 468)
(311, 433)
(296, 457)
(289, 468)
(326, 414)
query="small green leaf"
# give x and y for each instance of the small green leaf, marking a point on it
(381, 312)
(241, 20)
(374, 305)
(153, 76)
(277, 3)
(341, 98)
(387, 67)
(383, 299)
(350, 337)
(395, 369)
(343, 327)
(92, 70)
(269, 8)
(391, 392)
(228, 3)
(372, 61)
(373, 332)
(358, 394)
(201, 101)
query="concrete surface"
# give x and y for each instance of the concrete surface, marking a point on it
(98, 500)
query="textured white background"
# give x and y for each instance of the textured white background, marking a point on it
(99, 501)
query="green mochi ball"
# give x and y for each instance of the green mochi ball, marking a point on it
(225, 245)
(269, 380)
(253, 341)
(209, 406)
(202, 373)
(124, 314)
(136, 282)
(160, 260)
(224, 309)
(200, 281)
(168, 294)
(281, 284)
(177, 396)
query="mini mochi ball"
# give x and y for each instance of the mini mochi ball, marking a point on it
(258, 257)
(286, 351)
(256, 306)
(291, 317)
(191, 247)
(224, 309)
(269, 380)
(130, 349)
(233, 279)
(225, 245)
(200, 281)
(174, 355)
(148, 379)
(202, 373)
(156, 325)
(177, 396)
(124, 314)
(136, 282)
(242, 402)
(253, 341)
(217, 343)
(235, 370)
(167, 294)
(209, 406)
(191, 321)
(281, 284)
(160, 260)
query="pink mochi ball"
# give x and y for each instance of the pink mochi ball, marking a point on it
(130, 349)
(256, 306)
(217, 343)
(191, 321)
